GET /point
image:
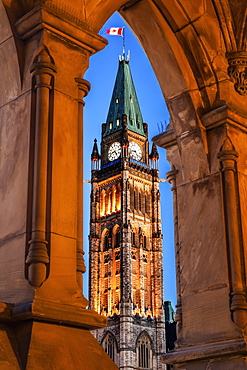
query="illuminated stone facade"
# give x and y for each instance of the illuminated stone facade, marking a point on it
(126, 274)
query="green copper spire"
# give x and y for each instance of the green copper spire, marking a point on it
(124, 101)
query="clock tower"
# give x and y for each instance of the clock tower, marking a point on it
(125, 251)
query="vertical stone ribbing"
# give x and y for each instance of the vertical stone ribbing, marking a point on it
(83, 90)
(43, 70)
(171, 177)
(228, 160)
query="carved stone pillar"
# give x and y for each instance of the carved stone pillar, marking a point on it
(171, 177)
(83, 90)
(210, 232)
(228, 164)
(45, 317)
(43, 70)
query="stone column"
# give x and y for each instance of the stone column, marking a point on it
(43, 311)
(210, 234)
(228, 160)
(83, 90)
(171, 177)
(37, 259)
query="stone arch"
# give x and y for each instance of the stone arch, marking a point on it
(144, 332)
(105, 239)
(110, 344)
(116, 236)
(144, 350)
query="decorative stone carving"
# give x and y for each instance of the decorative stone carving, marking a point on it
(61, 8)
(237, 70)
(228, 161)
(171, 177)
(83, 90)
(37, 259)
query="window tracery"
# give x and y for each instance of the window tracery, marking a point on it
(144, 352)
(109, 345)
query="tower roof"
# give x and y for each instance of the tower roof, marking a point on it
(124, 101)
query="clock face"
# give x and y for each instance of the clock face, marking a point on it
(135, 151)
(114, 151)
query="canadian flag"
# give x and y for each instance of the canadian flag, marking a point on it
(115, 31)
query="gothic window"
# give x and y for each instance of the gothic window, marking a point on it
(103, 203)
(144, 352)
(131, 198)
(105, 242)
(147, 204)
(136, 199)
(113, 199)
(118, 197)
(118, 122)
(133, 239)
(108, 201)
(110, 347)
(140, 202)
(105, 281)
(117, 239)
(145, 242)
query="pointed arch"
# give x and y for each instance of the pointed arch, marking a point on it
(103, 202)
(109, 343)
(105, 239)
(144, 351)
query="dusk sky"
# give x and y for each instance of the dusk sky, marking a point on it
(101, 74)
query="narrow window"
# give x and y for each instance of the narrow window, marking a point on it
(110, 125)
(144, 352)
(118, 122)
(109, 345)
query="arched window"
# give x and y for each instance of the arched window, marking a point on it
(144, 352)
(108, 201)
(131, 198)
(103, 203)
(136, 199)
(117, 238)
(140, 202)
(114, 205)
(109, 345)
(118, 198)
(105, 242)
(147, 204)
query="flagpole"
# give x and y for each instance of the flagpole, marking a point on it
(123, 43)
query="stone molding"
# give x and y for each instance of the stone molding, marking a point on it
(237, 71)
(37, 259)
(83, 89)
(227, 157)
(60, 8)
(40, 18)
(235, 42)
(231, 347)
(171, 177)
(47, 311)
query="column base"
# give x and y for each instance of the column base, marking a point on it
(46, 335)
(223, 355)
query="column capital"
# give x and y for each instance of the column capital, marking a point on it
(62, 21)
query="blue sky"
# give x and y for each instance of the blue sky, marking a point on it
(101, 74)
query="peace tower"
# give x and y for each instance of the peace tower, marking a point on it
(126, 272)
